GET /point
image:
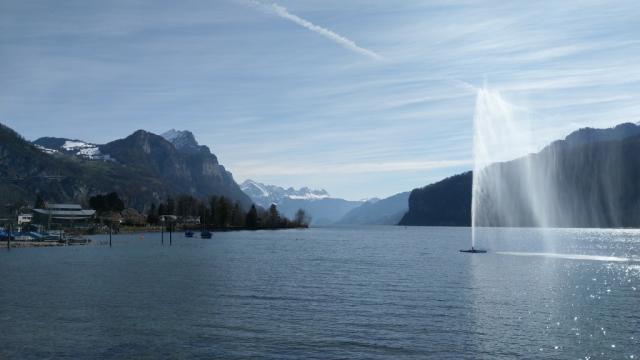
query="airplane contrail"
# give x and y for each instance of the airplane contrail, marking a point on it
(282, 12)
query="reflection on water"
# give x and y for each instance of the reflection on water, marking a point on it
(568, 256)
(380, 292)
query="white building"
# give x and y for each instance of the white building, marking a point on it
(24, 218)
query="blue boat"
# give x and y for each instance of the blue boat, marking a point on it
(205, 234)
(188, 233)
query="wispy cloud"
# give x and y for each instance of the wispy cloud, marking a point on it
(282, 12)
(257, 169)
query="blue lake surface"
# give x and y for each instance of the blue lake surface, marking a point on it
(358, 293)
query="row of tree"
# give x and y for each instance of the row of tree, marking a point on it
(214, 212)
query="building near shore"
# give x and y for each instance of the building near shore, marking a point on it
(62, 216)
(24, 219)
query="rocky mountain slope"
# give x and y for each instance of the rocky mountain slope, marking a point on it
(142, 167)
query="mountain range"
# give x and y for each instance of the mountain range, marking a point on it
(588, 179)
(143, 168)
(594, 173)
(318, 204)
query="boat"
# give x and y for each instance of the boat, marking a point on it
(188, 233)
(205, 234)
(73, 240)
(474, 251)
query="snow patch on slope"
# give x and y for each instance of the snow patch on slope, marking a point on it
(45, 150)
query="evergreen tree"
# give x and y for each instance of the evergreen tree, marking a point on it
(171, 207)
(237, 216)
(40, 203)
(213, 218)
(152, 215)
(273, 216)
(252, 218)
(104, 203)
(223, 212)
(162, 209)
(301, 218)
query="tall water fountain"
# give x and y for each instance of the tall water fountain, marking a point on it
(574, 183)
(501, 133)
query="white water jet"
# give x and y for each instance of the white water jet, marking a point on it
(501, 133)
(566, 184)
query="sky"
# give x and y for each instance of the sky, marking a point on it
(361, 98)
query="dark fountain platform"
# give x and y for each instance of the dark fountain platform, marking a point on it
(474, 251)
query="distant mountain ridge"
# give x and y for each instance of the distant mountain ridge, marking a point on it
(591, 135)
(375, 211)
(143, 168)
(322, 208)
(592, 172)
(265, 195)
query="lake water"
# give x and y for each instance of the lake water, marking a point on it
(361, 293)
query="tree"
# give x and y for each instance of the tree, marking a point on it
(212, 217)
(152, 215)
(171, 207)
(273, 216)
(301, 218)
(114, 203)
(237, 216)
(105, 203)
(223, 210)
(251, 219)
(162, 209)
(40, 203)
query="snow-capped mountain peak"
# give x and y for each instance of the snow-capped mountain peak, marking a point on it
(253, 188)
(265, 195)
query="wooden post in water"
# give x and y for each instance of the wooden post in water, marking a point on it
(9, 238)
(162, 231)
(170, 228)
(110, 227)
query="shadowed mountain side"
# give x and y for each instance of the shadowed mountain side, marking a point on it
(387, 211)
(445, 203)
(585, 185)
(591, 185)
(191, 172)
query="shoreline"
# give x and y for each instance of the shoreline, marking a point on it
(157, 229)
(38, 244)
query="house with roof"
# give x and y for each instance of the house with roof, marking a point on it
(62, 216)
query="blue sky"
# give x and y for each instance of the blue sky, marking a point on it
(362, 98)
